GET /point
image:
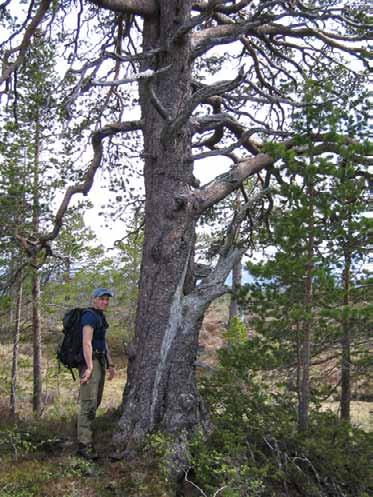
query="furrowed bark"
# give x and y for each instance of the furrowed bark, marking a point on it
(161, 389)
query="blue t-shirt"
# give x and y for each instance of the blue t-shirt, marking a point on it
(97, 321)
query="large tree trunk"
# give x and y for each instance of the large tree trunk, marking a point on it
(161, 391)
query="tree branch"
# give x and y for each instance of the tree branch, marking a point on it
(85, 186)
(213, 285)
(198, 97)
(226, 183)
(146, 8)
(8, 69)
(201, 41)
(149, 73)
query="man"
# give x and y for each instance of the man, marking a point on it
(93, 372)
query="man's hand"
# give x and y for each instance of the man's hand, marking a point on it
(87, 373)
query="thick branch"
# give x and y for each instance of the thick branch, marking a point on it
(216, 121)
(207, 6)
(199, 97)
(201, 41)
(213, 285)
(144, 8)
(226, 183)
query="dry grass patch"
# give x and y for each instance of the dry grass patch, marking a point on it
(361, 413)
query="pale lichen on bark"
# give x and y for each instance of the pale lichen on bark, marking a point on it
(170, 333)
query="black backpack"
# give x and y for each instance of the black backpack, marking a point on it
(70, 351)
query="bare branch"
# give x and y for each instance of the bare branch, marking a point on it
(149, 73)
(198, 97)
(211, 6)
(200, 124)
(213, 285)
(144, 8)
(133, 57)
(235, 225)
(226, 183)
(8, 69)
(330, 39)
(85, 186)
(244, 139)
(194, 485)
(202, 41)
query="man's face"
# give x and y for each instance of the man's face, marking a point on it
(101, 303)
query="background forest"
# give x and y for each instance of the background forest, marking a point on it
(242, 314)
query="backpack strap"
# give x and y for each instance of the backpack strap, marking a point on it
(92, 311)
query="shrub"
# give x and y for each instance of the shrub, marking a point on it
(255, 449)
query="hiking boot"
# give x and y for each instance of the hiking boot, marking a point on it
(88, 452)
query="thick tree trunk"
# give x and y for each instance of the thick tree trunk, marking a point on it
(161, 391)
(16, 336)
(346, 343)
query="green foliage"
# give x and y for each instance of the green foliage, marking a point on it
(236, 332)
(255, 448)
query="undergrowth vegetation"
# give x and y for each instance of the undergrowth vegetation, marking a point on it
(256, 449)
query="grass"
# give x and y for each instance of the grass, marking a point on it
(361, 413)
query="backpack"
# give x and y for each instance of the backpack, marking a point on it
(70, 350)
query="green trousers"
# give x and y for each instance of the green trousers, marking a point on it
(90, 396)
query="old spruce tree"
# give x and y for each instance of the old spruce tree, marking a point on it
(168, 48)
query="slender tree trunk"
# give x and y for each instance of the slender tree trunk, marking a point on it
(36, 326)
(16, 336)
(234, 310)
(346, 341)
(36, 321)
(304, 394)
(299, 360)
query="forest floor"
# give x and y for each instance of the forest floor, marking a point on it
(38, 456)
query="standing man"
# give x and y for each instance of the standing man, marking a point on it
(92, 373)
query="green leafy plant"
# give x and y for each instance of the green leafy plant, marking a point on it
(255, 448)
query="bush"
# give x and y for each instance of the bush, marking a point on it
(255, 449)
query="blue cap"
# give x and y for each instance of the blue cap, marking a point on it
(100, 292)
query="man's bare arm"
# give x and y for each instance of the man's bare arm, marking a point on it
(87, 353)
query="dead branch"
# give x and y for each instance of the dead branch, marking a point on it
(149, 73)
(197, 98)
(226, 183)
(85, 186)
(144, 8)
(9, 69)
